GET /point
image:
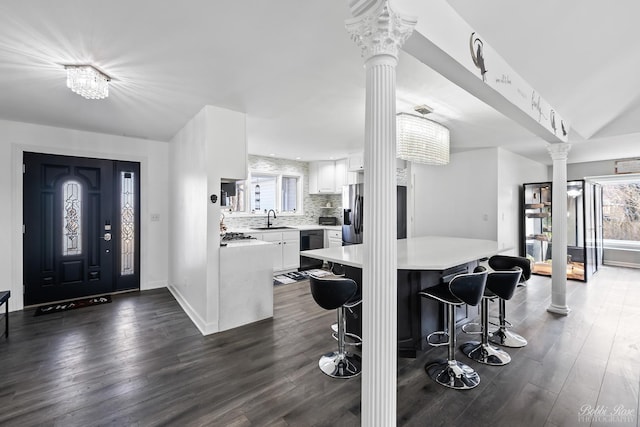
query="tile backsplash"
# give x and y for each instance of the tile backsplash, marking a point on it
(314, 204)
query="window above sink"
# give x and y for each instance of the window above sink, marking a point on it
(263, 191)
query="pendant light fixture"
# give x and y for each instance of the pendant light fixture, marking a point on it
(421, 140)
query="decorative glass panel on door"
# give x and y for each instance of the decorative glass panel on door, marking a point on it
(71, 218)
(127, 227)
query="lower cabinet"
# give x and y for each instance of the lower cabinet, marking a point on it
(286, 249)
(333, 238)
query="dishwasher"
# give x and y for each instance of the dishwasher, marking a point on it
(310, 239)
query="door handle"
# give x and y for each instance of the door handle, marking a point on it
(106, 237)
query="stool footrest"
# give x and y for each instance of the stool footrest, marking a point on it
(350, 339)
(441, 341)
(466, 328)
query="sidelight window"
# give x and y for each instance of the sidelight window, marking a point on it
(127, 223)
(71, 218)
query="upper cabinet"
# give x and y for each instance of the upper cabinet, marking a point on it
(322, 177)
(328, 176)
(341, 174)
(355, 162)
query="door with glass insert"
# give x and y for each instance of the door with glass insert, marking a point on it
(81, 227)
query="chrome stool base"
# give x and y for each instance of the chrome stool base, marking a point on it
(507, 338)
(453, 374)
(485, 353)
(337, 365)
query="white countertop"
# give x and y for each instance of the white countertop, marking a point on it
(417, 253)
(248, 230)
(244, 243)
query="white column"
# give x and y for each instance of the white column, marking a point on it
(559, 153)
(379, 32)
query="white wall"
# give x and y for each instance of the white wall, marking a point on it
(458, 199)
(513, 171)
(16, 138)
(196, 153)
(188, 227)
(477, 195)
(582, 170)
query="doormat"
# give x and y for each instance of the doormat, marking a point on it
(71, 305)
(297, 276)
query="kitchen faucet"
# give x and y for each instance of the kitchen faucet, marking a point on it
(268, 214)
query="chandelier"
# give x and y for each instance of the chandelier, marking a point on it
(421, 140)
(87, 81)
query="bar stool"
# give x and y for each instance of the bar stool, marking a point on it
(462, 289)
(333, 294)
(500, 284)
(503, 336)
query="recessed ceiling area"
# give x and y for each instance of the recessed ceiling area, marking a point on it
(292, 67)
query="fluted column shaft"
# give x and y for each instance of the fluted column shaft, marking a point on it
(559, 153)
(380, 32)
(380, 291)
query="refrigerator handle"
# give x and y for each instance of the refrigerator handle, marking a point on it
(358, 215)
(347, 217)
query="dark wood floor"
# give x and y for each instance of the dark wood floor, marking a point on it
(140, 361)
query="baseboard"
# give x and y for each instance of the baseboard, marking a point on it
(622, 264)
(204, 327)
(153, 285)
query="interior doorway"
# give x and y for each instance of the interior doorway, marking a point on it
(81, 233)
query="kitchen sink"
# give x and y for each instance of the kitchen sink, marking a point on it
(270, 228)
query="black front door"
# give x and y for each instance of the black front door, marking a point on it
(81, 234)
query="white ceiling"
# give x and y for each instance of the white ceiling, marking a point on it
(290, 65)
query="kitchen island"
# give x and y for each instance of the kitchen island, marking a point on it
(422, 262)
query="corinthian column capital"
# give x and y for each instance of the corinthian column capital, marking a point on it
(380, 31)
(559, 150)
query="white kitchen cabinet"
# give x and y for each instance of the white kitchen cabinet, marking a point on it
(322, 177)
(341, 174)
(355, 162)
(290, 250)
(286, 248)
(333, 238)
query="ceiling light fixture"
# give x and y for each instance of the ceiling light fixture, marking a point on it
(87, 81)
(421, 140)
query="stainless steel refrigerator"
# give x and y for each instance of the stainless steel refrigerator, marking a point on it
(353, 206)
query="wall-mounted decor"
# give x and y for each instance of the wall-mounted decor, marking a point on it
(628, 166)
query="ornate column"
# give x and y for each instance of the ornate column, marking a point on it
(559, 153)
(379, 32)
